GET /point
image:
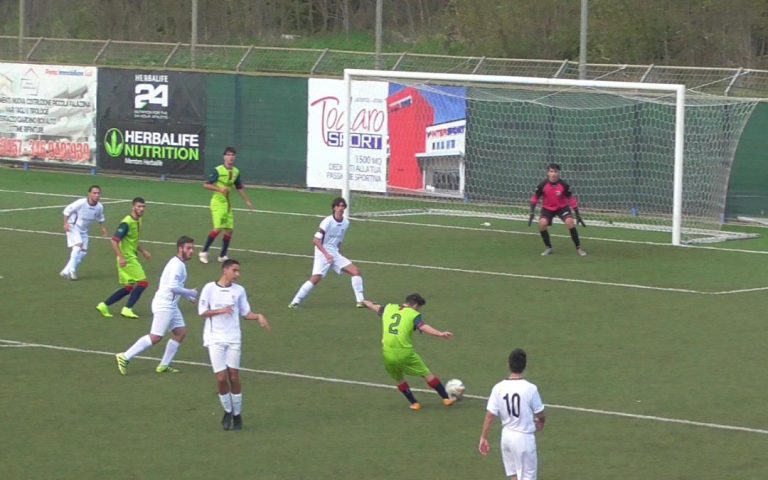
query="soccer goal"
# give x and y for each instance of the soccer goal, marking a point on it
(638, 155)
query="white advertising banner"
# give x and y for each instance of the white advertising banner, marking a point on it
(48, 113)
(325, 135)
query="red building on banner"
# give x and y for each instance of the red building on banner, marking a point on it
(409, 116)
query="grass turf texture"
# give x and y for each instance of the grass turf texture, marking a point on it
(659, 352)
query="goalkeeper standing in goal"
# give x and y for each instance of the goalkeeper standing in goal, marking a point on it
(557, 200)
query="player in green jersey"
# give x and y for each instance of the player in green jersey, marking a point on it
(221, 181)
(398, 322)
(125, 244)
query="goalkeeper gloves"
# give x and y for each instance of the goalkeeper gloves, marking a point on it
(530, 219)
(579, 220)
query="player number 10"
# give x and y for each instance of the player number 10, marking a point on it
(513, 404)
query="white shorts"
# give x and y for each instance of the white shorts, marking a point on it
(518, 452)
(321, 265)
(224, 355)
(166, 320)
(76, 236)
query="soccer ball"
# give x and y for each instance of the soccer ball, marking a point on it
(455, 388)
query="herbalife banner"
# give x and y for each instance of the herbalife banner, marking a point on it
(151, 122)
(325, 135)
(48, 113)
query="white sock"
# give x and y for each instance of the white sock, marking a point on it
(72, 263)
(141, 344)
(357, 286)
(237, 403)
(226, 402)
(170, 351)
(303, 292)
(79, 259)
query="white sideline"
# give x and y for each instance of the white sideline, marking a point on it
(393, 222)
(718, 426)
(447, 269)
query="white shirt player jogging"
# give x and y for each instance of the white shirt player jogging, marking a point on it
(174, 276)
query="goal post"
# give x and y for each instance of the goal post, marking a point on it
(476, 145)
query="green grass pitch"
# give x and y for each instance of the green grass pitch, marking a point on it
(648, 356)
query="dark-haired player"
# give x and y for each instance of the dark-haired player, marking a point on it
(557, 200)
(398, 323)
(125, 244)
(517, 403)
(328, 240)
(221, 181)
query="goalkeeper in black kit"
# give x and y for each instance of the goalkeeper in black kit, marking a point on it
(556, 201)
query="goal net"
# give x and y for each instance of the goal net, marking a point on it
(641, 156)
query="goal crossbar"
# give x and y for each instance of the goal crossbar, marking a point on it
(675, 90)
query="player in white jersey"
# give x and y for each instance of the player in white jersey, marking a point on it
(78, 217)
(222, 304)
(517, 403)
(165, 310)
(328, 239)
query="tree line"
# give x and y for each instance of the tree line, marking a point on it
(663, 32)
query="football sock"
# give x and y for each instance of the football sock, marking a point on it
(405, 389)
(575, 237)
(225, 244)
(303, 291)
(72, 263)
(209, 241)
(357, 287)
(80, 256)
(237, 403)
(141, 344)
(119, 294)
(170, 351)
(438, 386)
(545, 237)
(226, 402)
(136, 293)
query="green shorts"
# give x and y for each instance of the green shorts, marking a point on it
(131, 273)
(401, 362)
(222, 215)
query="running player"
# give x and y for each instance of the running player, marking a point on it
(78, 217)
(165, 309)
(125, 244)
(221, 181)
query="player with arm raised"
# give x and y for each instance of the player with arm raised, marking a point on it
(130, 273)
(517, 403)
(165, 310)
(327, 241)
(78, 217)
(557, 200)
(222, 303)
(398, 323)
(221, 181)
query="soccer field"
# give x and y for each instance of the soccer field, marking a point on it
(647, 356)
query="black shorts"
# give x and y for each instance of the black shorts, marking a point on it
(562, 214)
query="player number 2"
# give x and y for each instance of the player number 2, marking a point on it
(393, 326)
(513, 404)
